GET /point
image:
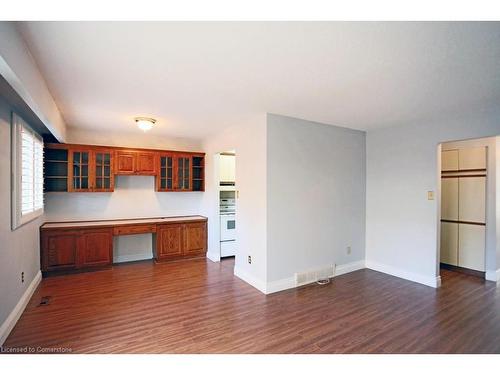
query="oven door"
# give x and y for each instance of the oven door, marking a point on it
(227, 227)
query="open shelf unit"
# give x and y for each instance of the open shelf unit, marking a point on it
(56, 170)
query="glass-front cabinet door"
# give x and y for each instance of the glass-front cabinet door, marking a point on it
(104, 179)
(183, 173)
(90, 170)
(166, 181)
(79, 168)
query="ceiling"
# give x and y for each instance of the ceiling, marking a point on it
(198, 78)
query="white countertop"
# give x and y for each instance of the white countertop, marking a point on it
(118, 222)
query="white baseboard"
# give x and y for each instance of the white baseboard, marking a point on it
(432, 281)
(213, 257)
(250, 279)
(349, 267)
(289, 282)
(16, 313)
(132, 257)
(279, 285)
(493, 276)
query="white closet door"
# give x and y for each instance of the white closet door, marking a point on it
(471, 245)
(472, 158)
(449, 243)
(449, 198)
(449, 160)
(472, 199)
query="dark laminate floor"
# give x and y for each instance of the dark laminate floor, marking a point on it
(200, 307)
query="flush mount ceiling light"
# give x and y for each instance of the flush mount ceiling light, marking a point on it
(145, 123)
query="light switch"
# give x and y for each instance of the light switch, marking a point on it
(430, 195)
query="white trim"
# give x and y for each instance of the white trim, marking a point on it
(250, 279)
(17, 218)
(289, 282)
(214, 257)
(16, 313)
(279, 285)
(432, 281)
(493, 276)
(349, 267)
(132, 257)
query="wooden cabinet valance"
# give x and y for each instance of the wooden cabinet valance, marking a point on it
(84, 168)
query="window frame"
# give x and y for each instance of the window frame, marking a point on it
(18, 219)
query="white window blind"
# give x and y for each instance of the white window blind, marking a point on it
(32, 171)
(27, 167)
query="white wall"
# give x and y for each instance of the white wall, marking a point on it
(249, 142)
(134, 196)
(402, 165)
(491, 188)
(133, 138)
(315, 196)
(19, 68)
(19, 249)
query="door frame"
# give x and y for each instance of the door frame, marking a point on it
(490, 229)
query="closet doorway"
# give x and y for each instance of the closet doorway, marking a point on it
(465, 191)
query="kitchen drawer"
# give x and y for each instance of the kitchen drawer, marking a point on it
(134, 229)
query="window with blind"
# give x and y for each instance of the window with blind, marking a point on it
(27, 168)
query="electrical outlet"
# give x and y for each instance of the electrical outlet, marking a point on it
(22, 277)
(349, 250)
(249, 259)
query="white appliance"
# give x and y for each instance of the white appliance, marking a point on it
(227, 210)
(227, 235)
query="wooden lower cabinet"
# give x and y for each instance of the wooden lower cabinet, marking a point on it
(89, 245)
(67, 250)
(95, 248)
(178, 241)
(195, 238)
(59, 250)
(169, 241)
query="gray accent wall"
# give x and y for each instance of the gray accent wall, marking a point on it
(315, 196)
(19, 249)
(402, 165)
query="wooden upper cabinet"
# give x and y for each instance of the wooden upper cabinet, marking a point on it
(165, 178)
(80, 170)
(125, 162)
(180, 172)
(87, 168)
(183, 175)
(103, 178)
(135, 162)
(146, 163)
(90, 170)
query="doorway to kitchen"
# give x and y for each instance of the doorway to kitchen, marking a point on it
(227, 206)
(467, 207)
